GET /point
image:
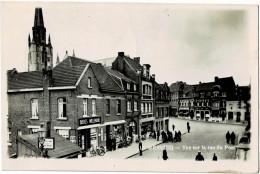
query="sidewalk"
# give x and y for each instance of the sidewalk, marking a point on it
(125, 152)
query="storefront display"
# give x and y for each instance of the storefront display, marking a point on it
(146, 128)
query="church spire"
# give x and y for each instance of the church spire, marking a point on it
(38, 18)
(29, 40)
(57, 60)
(49, 40)
(73, 55)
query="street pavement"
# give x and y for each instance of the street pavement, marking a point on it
(210, 136)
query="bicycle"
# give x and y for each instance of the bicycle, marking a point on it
(99, 150)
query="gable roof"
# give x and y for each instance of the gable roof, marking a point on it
(119, 75)
(133, 64)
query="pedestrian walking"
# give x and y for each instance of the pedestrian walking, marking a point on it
(233, 137)
(179, 134)
(165, 156)
(140, 147)
(228, 137)
(188, 127)
(158, 135)
(199, 157)
(173, 127)
(215, 158)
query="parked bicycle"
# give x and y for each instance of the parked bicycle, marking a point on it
(99, 150)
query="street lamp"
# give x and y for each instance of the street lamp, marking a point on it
(42, 135)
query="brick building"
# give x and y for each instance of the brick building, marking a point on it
(162, 106)
(85, 102)
(141, 75)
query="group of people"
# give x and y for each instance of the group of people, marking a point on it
(230, 137)
(168, 136)
(200, 157)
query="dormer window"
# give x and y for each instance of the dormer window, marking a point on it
(144, 71)
(134, 87)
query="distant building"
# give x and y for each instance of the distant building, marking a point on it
(107, 62)
(40, 54)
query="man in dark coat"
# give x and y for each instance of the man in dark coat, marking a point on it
(165, 156)
(233, 137)
(215, 158)
(173, 127)
(179, 134)
(228, 137)
(199, 157)
(140, 147)
(158, 135)
(188, 127)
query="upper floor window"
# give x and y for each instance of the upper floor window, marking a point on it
(161, 111)
(135, 106)
(94, 112)
(89, 82)
(85, 107)
(215, 94)
(144, 70)
(224, 94)
(62, 108)
(128, 86)
(128, 106)
(142, 107)
(34, 107)
(150, 108)
(118, 106)
(108, 106)
(134, 87)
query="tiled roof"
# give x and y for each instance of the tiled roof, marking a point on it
(24, 80)
(119, 75)
(68, 72)
(158, 86)
(104, 79)
(133, 64)
(204, 86)
(63, 147)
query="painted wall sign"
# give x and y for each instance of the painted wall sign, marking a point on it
(48, 143)
(89, 121)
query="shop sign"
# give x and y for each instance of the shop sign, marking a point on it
(48, 143)
(89, 121)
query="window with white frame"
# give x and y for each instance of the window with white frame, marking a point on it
(34, 107)
(146, 107)
(62, 108)
(162, 112)
(85, 107)
(89, 82)
(142, 107)
(94, 112)
(135, 106)
(63, 132)
(128, 106)
(150, 107)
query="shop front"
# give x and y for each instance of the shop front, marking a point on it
(132, 129)
(88, 132)
(146, 128)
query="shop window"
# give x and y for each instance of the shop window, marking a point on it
(135, 106)
(63, 132)
(94, 112)
(89, 82)
(34, 108)
(128, 106)
(62, 108)
(85, 107)
(108, 106)
(118, 106)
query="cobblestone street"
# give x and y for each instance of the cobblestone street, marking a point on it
(209, 135)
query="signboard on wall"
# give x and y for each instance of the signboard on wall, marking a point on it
(89, 121)
(48, 143)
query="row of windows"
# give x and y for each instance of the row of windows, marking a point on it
(146, 107)
(147, 89)
(160, 111)
(128, 86)
(129, 106)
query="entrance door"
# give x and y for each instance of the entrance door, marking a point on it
(130, 131)
(108, 142)
(238, 117)
(230, 115)
(202, 115)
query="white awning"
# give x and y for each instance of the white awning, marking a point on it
(88, 126)
(114, 122)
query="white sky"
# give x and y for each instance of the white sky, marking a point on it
(188, 43)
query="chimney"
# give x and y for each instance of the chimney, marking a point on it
(66, 55)
(137, 59)
(216, 78)
(121, 54)
(199, 82)
(153, 76)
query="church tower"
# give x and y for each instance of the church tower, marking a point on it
(40, 53)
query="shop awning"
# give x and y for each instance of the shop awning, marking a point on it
(88, 126)
(114, 122)
(147, 119)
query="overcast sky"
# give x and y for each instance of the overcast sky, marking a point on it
(188, 43)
